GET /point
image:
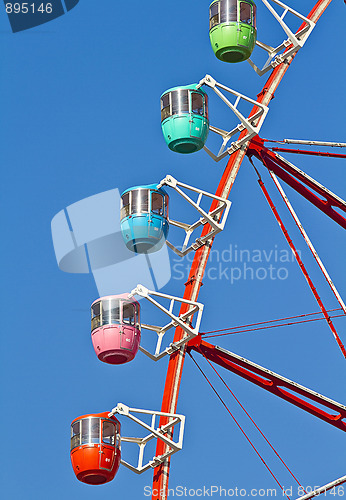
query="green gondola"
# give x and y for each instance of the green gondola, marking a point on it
(232, 29)
(184, 118)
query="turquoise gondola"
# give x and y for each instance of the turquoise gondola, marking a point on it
(232, 29)
(144, 218)
(184, 118)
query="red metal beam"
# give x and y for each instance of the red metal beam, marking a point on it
(306, 152)
(317, 194)
(303, 269)
(274, 383)
(194, 283)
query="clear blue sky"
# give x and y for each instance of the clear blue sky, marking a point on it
(80, 115)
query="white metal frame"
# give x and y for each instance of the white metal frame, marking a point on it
(310, 143)
(311, 180)
(251, 125)
(183, 321)
(211, 218)
(324, 489)
(307, 240)
(292, 44)
(155, 433)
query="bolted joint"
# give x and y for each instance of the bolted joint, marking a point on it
(210, 81)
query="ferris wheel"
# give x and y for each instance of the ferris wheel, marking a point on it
(117, 320)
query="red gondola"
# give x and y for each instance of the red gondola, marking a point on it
(95, 448)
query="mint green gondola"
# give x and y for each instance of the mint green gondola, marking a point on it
(184, 118)
(232, 29)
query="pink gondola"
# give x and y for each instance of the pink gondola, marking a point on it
(115, 328)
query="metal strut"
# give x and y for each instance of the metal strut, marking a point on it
(291, 45)
(311, 153)
(308, 241)
(276, 384)
(184, 320)
(309, 143)
(216, 218)
(305, 185)
(250, 126)
(325, 488)
(159, 433)
(302, 267)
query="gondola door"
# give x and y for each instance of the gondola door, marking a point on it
(107, 447)
(155, 223)
(245, 28)
(128, 323)
(197, 121)
(107, 455)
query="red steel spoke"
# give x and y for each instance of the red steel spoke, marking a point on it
(308, 241)
(331, 412)
(302, 267)
(269, 327)
(249, 416)
(268, 321)
(313, 191)
(306, 152)
(239, 426)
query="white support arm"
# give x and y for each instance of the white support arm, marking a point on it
(154, 433)
(292, 44)
(324, 489)
(216, 218)
(183, 320)
(252, 125)
(311, 143)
